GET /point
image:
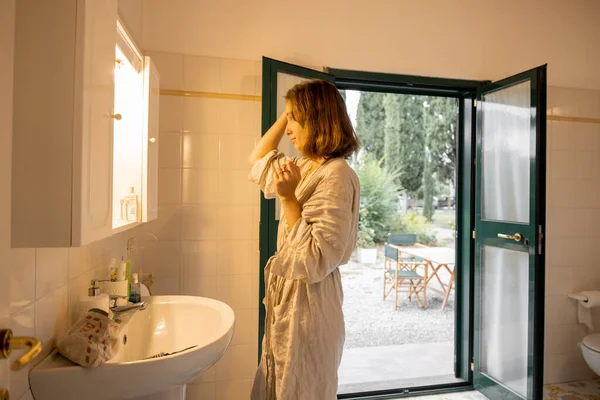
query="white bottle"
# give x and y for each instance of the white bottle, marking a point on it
(94, 299)
(121, 270)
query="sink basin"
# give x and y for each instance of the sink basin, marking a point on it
(169, 324)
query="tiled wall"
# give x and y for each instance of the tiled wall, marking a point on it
(45, 286)
(209, 211)
(208, 226)
(573, 227)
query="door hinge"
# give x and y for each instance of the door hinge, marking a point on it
(473, 234)
(472, 366)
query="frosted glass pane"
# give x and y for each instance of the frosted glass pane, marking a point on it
(284, 83)
(506, 152)
(504, 318)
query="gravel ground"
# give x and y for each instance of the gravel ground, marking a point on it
(371, 321)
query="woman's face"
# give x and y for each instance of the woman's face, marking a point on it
(294, 130)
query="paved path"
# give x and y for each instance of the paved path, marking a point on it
(391, 367)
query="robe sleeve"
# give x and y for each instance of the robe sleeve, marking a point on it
(315, 246)
(263, 171)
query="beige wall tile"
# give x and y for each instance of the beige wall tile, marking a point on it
(52, 270)
(22, 278)
(204, 115)
(169, 150)
(238, 76)
(235, 290)
(199, 223)
(169, 186)
(238, 363)
(199, 258)
(201, 391)
(202, 74)
(200, 187)
(170, 67)
(170, 117)
(201, 151)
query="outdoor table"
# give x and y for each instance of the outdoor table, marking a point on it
(437, 258)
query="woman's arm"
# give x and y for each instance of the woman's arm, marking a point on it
(270, 140)
(286, 182)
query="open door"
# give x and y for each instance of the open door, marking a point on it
(277, 78)
(509, 227)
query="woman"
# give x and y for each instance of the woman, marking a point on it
(319, 193)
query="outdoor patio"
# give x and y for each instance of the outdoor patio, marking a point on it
(387, 348)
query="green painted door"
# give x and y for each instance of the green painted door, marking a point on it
(509, 226)
(277, 78)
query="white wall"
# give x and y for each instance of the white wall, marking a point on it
(40, 287)
(196, 255)
(573, 217)
(461, 38)
(209, 211)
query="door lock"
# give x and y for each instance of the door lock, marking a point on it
(9, 343)
(517, 237)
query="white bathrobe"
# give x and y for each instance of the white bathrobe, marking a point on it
(304, 325)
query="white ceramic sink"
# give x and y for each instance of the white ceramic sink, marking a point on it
(169, 324)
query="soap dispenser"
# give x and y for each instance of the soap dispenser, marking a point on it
(94, 299)
(135, 296)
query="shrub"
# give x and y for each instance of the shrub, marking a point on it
(411, 222)
(378, 197)
(366, 235)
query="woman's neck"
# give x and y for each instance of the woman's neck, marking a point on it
(317, 161)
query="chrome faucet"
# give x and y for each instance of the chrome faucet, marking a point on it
(113, 300)
(120, 310)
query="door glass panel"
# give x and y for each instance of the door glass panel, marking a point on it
(506, 154)
(284, 83)
(504, 317)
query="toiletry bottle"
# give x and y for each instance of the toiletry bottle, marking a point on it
(131, 205)
(112, 270)
(121, 270)
(94, 299)
(135, 296)
(128, 276)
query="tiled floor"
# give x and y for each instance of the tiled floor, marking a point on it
(584, 390)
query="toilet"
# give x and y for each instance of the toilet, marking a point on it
(590, 347)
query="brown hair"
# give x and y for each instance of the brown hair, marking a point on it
(318, 106)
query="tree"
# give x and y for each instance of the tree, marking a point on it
(404, 139)
(377, 198)
(428, 185)
(370, 121)
(441, 124)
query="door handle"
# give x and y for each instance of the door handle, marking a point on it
(517, 237)
(4, 394)
(9, 343)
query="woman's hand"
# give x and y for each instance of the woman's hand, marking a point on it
(286, 180)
